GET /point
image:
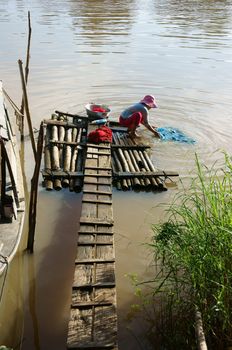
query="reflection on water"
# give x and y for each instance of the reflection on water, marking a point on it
(12, 303)
(114, 52)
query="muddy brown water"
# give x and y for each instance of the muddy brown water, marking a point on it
(113, 52)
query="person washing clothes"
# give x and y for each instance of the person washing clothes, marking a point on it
(137, 114)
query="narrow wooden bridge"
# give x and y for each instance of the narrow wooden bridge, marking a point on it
(70, 161)
(93, 321)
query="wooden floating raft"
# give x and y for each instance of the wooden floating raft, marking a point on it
(93, 320)
(65, 157)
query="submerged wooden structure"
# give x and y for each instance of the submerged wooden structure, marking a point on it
(71, 162)
(12, 202)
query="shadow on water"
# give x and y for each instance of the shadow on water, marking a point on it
(49, 271)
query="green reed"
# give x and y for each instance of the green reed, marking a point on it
(193, 250)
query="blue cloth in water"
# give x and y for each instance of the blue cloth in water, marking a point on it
(173, 134)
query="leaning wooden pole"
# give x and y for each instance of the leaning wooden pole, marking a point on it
(26, 74)
(34, 191)
(200, 335)
(27, 107)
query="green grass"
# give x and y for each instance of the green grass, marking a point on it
(193, 252)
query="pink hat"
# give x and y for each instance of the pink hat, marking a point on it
(150, 101)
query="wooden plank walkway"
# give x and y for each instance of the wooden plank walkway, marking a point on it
(93, 320)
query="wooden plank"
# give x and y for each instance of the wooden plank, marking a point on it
(130, 147)
(108, 193)
(75, 116)
(98, 168)
(97, 145)
(90, 304)
(98, 182)
(70, 143)
(98, 175)
(93, 261)
(128, 174)
(94, 243)
(97, 201)
(98, 153)
(93, 345)
(119, 129)
(95, 233)
(61, 173)
(63, 123)
(95, 285)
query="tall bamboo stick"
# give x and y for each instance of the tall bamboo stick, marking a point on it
(34, 192)
(26, 74)
(27, 108)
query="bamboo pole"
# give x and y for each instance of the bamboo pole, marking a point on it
(26, 74)
(136, 183)
(152, 168)
(144, 182)
(78, 182)
(146, 166)
(116, 182)
(201, 342)
(27, 108)
(147, 183)
(75, 138)
(55, 157)
(67, 155)
(34, 191)
(124, 185)
(61, 136)
(47, 160)
(122, 160)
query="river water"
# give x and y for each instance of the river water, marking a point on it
(115, 52)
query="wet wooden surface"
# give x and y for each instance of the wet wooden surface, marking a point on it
(93, 320)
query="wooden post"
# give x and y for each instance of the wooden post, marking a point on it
(47, 160)
(27, 107)
(34, 191)
(26, 74)
(201, 342)
(77, 185)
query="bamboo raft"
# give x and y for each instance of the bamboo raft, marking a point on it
(65, 154)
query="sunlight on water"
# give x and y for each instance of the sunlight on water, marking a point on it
(115, 52)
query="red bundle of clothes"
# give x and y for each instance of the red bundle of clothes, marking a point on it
(98, 109)
(102, 134)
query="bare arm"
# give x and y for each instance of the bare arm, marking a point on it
(152, 129)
